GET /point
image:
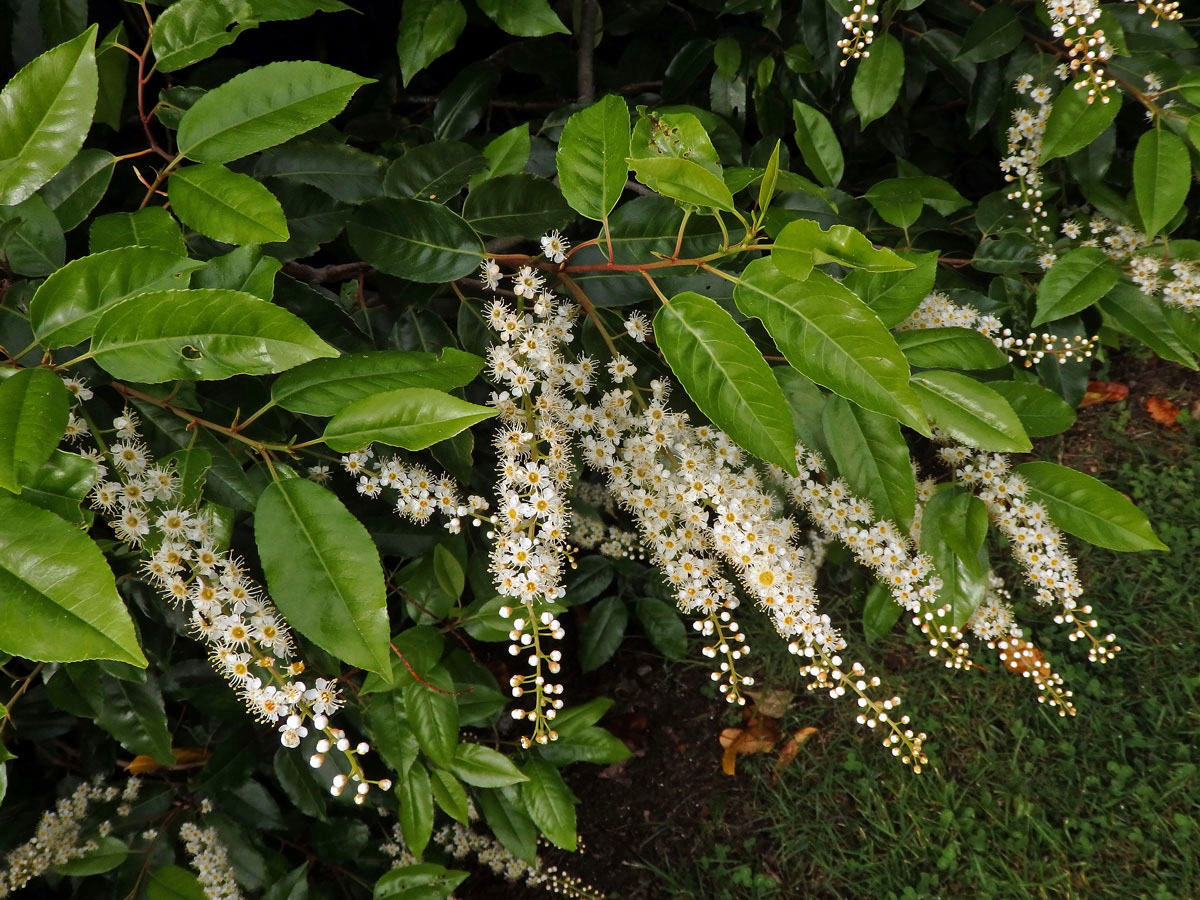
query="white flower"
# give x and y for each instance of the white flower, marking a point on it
(555, 246)
(489, 274)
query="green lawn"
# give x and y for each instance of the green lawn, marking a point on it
(1017, 803)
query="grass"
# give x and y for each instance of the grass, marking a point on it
(1018, 804)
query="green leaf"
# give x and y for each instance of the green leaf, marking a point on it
(264, 107)
(1128, 310)
(152, 227)
(873, 458)
(412, 418)
(173, 883)
(1042, 412)
(112, 66)
(897, 200)
(878, 79)
(339, 170)
(423, 881)
(434, 171)
(204, 335)
(33, 419)
(109, 853)
(415, 794)
(324, 387)
(74, 192)
(428, 29)
(1075, 281)
(818, 144)
(244, 269)
(191, 30)
(833, 338)
(952, 538)
(484, 767)
(1162, 175)
(674, 135)
(971, 412)
(994, 32)
(295, 776)
(525, 18)
(31, 239)
(449, 795)
(58, 598)
(807, 404)
(130, 711)
(462, 102)
(509, 822)
(1089, 509)
(894, 295)
(770, 178)
(45, 113)
(803, 243)
(1074, 122)
(323, 572)
(61, 484)
(67, 305)
(880, 613)
(683, 180)
(550, 803)
(950, 348)
(517, 206)
(415, 239)
(602, 632)
(507, 154)
(226, 206)
(663, 626)
(726, 376)
(591, 157)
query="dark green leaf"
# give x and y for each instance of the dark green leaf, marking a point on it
(1041, 411)
(995, 32)
(509, 822)
(663, 625)
(74, 192)
(526, 18)
(945, 526)
(516, 205)
(33, 418)
(484, 767)
(461, 103)
(341, 171)
(415, 795)
(152, 227)
(1162, 175)
(31, 238)
(894, 295)
(109, 853)
(602, 632)
(880, 613)
(878, 79)
(173, 883)
(818, 144)
(873, 458)
(415, 239)
(435, 171)
(1075, 122)
(295, 776)
(1127, 309)
(423, 881)
(550, 803)
(428, 29)
(61, 484)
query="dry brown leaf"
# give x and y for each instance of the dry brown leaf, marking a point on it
(1162, 411)
(1104, 392)
(185, 757)
(771, 703)
(760, 735)
(792, 746)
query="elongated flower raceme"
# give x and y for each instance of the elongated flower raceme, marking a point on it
(210, 859)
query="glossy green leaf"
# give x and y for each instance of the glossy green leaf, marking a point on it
(833, 338)
(58, 598)
(31, 238)
(415, 795)
(244, 269)
(226, 206)
(264, 107)
(61, 484)
(325, 386)
(1075, 281)
(112, 65)
(74, 192)
(952, 539)
(550, 803)
(897, 200)
(507, 154)
(683, 180)
(726, 376)
(45, 113)
(428, 29)
(412, 418)
(422, 881)
(591, 157)
(526, 18)
(1162, 175)
(1145, 318)
(323, 572)
(1089, 509)
(449, 795)
(434, 171)
(880, 612)
(664, 626)
(132, 712)
(204, 335)
(339, 170)
(818, 144)
(873, 458)
(971, 412)
(189, 31)
(462, 102)
(878, 79)
(173, 883)
(151, 227)
(894, 295)
(602, 632)
(33, 418)
(1074, 122)
(803, 243)
(432, 712)
(109, 853)
(1042, 412)
(416, 240)
(994, 32)
(516, 205)
(677, 134)
(484, 767)
(67, 305)
(504, 812)
(950, 348)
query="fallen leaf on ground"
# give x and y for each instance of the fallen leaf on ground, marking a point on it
(1162, 411)
(792, 746)
(1104, 392)
(760, 734)
(771, 703)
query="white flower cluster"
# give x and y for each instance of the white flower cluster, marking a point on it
(937, 310)
(592, 533)
(211, 862)
(1074, 22)
(1037, 545)
(1024, 160)
(861, 27)
(419, 493)
(1175, 282)
(59, 837)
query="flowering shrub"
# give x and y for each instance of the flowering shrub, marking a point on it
(342, 426)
